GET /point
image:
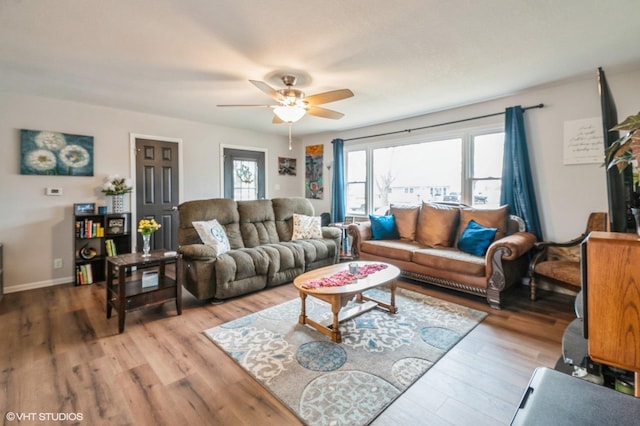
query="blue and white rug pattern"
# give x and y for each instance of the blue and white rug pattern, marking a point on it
(348, 383)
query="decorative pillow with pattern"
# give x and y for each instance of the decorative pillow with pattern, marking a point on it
(212, 234)
(306, 227)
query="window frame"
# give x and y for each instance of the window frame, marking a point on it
(467, 178)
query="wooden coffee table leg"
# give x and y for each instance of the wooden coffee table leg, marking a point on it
(303, 308)
(335, 327)
(392, 305)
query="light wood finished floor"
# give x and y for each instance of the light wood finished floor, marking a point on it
(59, 354)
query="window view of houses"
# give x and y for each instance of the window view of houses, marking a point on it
(466, 169)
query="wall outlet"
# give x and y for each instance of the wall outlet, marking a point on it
(57, 263)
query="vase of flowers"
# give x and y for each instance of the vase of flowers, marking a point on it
(116, 187)
(146, 227)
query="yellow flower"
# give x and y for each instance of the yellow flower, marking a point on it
(148, 226)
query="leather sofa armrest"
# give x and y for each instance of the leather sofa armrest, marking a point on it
(197, 251)
(516, 245)
(359, 231)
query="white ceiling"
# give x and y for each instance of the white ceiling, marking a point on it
(401, 58)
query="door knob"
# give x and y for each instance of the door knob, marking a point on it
(174, 208)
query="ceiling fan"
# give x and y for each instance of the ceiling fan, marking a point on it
(293, 104)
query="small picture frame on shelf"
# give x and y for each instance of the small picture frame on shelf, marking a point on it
(84, 208)
(348, 220)
(116, 225)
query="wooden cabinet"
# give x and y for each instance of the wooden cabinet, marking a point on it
(126, 295)
(613, 299)
(98, 236)
(1, 274)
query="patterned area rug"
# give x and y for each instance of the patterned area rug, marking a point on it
(346, 383)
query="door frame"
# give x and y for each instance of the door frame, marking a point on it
(245, 148)
(132, 173)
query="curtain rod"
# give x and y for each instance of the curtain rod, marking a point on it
(440, 124)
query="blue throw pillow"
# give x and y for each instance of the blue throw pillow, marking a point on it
(384, 228)
(476, 239)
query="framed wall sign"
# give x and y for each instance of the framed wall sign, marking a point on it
(84, 208)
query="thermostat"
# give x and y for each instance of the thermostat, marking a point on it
(54, 191)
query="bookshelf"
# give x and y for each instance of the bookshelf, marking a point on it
(98, 236)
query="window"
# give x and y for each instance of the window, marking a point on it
(466, 169)
(356, 182)
(244, 174)
(486, 173)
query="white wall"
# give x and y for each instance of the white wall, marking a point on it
(35, 228)
(566, 194)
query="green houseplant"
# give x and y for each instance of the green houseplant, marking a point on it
(626, 151)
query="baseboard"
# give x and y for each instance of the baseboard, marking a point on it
(39, 284)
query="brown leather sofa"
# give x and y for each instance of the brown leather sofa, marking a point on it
(262, 253)
(427, 249)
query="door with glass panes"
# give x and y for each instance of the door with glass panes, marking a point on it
(244, 174)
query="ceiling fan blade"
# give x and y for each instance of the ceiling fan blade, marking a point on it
(241, 105)
(268, 90)
(324, 113)
(326, 97)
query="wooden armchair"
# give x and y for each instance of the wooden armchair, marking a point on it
(559, 263)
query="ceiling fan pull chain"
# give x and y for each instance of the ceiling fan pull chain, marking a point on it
(289, 135)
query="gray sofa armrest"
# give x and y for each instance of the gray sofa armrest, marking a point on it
(197, 251)
(331, 232)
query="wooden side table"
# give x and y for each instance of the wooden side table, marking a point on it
(126, 295)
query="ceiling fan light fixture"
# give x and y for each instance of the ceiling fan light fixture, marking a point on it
(289, 114)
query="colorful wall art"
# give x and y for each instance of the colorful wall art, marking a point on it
(287, 166)
(54, 153)
(313, 175)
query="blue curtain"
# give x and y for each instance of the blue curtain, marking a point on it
(338, 204)
(517, 184)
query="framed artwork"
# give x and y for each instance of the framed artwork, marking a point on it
(313, 184)
(286, 166)
(55, 153)
(116, 225)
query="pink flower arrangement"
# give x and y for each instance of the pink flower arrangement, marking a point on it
(344, 277)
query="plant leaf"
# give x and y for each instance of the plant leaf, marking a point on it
(617, 148)
(631, 123)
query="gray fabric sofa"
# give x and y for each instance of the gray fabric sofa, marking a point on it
(262, 253)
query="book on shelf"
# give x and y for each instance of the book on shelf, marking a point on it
(110, 246)
(87, 228)
(84, 274)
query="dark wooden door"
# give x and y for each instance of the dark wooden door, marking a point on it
(157, 190)
(244, 174)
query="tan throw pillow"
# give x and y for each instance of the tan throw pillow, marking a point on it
(437, 225)
(305, 227)
(406, 220)
(489, 218)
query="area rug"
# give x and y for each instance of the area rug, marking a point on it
(346, 383)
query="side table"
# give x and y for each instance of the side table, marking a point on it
(126, 295)
(345, 242)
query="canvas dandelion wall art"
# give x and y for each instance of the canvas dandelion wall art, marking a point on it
(55, 153)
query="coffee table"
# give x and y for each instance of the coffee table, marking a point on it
(338, 297)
